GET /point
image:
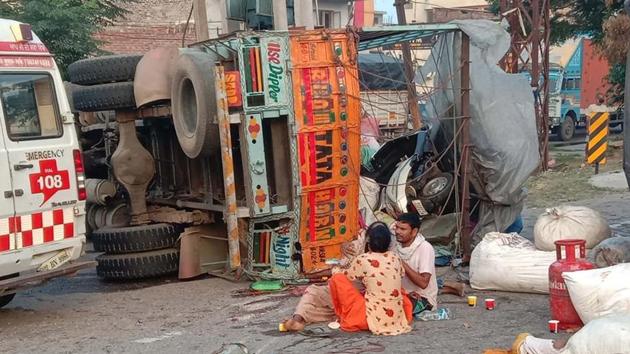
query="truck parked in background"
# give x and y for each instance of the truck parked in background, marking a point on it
(577, 81)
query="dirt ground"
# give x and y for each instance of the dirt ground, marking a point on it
(85, 315)
(567, 180)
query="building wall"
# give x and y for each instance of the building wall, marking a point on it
(147, 25)
(469, 13)
(419, 12)
(154, 23)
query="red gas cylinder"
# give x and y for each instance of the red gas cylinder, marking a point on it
(561, 306)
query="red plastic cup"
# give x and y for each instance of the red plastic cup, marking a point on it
(553, 326)
(490, 303)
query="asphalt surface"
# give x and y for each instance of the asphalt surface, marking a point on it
(83, 314)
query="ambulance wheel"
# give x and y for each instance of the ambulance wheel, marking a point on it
(105, 69)
(5, 299)
(138, 265)
(118, 240)
(194, 104)
(105, 97)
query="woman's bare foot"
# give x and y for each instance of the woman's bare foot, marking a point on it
(295, 324)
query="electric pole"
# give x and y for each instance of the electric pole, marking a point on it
(412, 95)
(626, 113)
(530, 28)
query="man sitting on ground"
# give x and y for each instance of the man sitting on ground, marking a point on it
(418, 260)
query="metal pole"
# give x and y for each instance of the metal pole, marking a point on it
(545, 89)
(412, 95)
(230, 212)
(465, 156)
(626, 115)
(280, 22)
(201, 20)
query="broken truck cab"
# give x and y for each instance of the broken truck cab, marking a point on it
(258, 163)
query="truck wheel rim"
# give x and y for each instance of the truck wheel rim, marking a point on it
(435, 186)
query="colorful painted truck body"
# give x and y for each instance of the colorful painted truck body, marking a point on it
(277, 177)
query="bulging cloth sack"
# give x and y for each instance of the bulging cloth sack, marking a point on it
(570, 222)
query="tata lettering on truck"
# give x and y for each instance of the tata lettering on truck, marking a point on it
(42, 191)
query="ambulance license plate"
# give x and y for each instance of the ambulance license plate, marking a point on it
(56, 261)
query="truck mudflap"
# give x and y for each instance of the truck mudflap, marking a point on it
(11, 285)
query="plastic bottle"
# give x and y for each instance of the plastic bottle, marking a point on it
(437, 315)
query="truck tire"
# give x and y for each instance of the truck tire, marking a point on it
(194, 104)
(69, 89)
(435, 192)
(138, 265)
(437, 188)
(567, 129)
(132, 239)
(5, 299)
(105, 97)
(105, 69)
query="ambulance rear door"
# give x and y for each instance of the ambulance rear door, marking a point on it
(44, 158)
(7, 210)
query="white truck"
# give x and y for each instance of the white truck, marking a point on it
(42, 190)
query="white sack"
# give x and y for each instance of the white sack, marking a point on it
(570, 222)
(598, 292)
(606, 335)
(510, 262)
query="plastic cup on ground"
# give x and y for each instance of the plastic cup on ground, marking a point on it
(472, 301)
(490, 304)
(553, 326)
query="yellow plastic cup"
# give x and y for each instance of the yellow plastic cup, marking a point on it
(472, 301)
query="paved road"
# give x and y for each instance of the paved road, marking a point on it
(85, 315)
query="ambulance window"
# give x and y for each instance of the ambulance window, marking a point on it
(29, 106)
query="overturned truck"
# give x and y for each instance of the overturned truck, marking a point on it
(239, 153)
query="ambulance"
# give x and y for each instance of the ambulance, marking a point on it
(42, 190)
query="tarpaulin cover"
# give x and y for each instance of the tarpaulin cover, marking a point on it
(381, 72)
(503, 124)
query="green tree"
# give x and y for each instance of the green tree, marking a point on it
(65, 26)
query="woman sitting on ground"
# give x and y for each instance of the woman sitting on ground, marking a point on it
(385, 309)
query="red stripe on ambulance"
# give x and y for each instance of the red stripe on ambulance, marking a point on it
(17, 61)
(36, 229)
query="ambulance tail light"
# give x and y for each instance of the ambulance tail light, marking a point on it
(80, 173)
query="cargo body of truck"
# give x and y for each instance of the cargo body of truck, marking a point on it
(238, 153)
(42, 205)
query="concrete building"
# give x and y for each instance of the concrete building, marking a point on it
(423, 12)
(154, 23)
